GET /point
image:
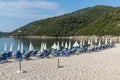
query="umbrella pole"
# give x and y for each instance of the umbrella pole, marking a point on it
(20, 69)
(58, 63)
(20, 65)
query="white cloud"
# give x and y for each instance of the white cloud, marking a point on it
(28, 4)
(29, 9)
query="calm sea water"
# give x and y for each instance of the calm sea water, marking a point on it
(36, 43)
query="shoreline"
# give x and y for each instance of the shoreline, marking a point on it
(114, 38)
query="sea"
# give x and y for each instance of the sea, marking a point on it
(26, 42)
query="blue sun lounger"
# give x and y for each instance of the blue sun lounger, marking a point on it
(18, 55)
(47, 53)
(3, 57)
(65, 53)
(9, 54)
(84, 50)
(92, 49)
(35, 52)
(42, 55)
(55, 53)
(28, 54)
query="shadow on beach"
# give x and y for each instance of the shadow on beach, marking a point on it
(61, 67)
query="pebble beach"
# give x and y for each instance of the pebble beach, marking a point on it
(100, 65)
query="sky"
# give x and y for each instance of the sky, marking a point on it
(17, 13)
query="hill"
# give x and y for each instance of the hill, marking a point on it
(3, 34)
(97, 20)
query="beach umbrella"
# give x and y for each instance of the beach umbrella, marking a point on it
(9, 54)
(99, 44)
(91, 44)
(54, 46)
(106, 41)
(41, 49)
(83, 42)
(18, 48)
(11, 47)
(21, 47)
(110, 41)
(58, 46)
(69, 47)
(44, 46)
(76, 44)
(95, 40)
(5, 48)
(66, 45)
(31, 47)
(62, 44)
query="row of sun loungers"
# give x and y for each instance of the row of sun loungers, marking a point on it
(53, 52)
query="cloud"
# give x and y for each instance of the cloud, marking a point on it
(29, 8)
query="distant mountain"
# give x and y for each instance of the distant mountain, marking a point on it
(3, 34)
(97, 20)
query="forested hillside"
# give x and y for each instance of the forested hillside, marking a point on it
(97, 20)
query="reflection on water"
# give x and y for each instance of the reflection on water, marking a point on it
(36, 43)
